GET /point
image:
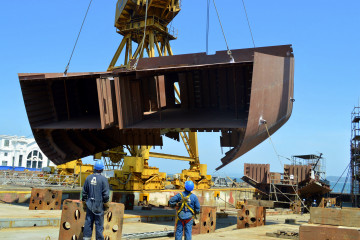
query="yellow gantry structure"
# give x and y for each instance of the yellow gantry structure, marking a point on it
(130, 20)
(145, 23)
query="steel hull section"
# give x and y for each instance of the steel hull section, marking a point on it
(85, 113)
(272, 92)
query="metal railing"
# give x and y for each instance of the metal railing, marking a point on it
(138, 23)
(38, 179)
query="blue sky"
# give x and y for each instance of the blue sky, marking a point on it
(38, 36)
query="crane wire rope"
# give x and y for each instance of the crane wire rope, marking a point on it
(144, 36)
(77, 39)
(340, 177)
(247, 19)
(278, 156)
(207, 25)
(347, 177)
(222, 29)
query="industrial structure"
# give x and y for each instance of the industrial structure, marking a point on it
(88, 113)
(303, 179)
(118, 116)
(135, 105)
(355, 156)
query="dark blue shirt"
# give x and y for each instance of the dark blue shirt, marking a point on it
(193, 202)
(96, 192)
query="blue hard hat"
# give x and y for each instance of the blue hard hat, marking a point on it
(99, 165)
(189, 186)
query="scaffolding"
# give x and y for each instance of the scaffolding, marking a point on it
(317, 163)
(38, 179)
(355, 154)
(283, 188)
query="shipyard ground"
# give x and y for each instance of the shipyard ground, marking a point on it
(226, 227)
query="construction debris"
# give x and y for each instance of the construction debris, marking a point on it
(290, 221)
(45, 199)
(284, 234)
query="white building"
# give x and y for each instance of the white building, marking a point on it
(22, 152)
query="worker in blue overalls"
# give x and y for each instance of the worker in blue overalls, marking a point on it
(189, 206)
(95, 197)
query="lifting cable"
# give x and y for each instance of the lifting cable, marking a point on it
(144, 36)
(247, 19)
(207, 26)
(347, 177)
(340, 177)
(262, 121)
(222, 29)
(67, 66)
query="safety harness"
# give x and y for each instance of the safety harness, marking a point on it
(184, 204)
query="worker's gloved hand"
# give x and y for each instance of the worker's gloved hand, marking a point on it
(106, 207)
(196, 220)
(84, 206)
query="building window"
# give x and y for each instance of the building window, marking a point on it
(13, 162)
(35, 157)
(5, 154)
(4, 163)
(28, 164)
(20, 160)
(48, 163)
(6, 143)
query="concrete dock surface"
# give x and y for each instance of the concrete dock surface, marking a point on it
(225, 227)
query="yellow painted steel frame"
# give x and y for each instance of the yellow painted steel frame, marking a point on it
(157, 37)
(151, 42)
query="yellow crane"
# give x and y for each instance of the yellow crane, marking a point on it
(145, 23)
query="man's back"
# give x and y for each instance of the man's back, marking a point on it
(193, 203)
(96, 192)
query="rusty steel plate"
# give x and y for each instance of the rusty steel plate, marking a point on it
(45, 199)
(319, 232)
(206, 221)
(73, 220)
(81, 114)
(251, 216)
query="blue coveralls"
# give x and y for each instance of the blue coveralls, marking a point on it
(185, 214)
(95, 192)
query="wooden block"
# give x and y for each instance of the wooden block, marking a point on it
(260, 203)
(326, 232)
(336, 217)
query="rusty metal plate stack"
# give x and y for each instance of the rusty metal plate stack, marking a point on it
(251, 216)
(73, 220)
(45, 199)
